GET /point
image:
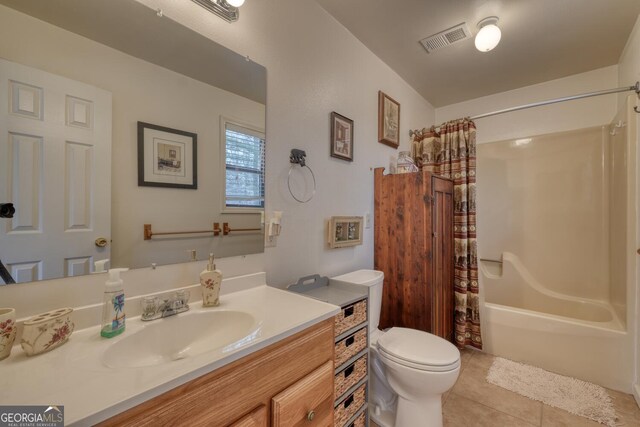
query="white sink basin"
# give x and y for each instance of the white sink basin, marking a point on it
(183, 335)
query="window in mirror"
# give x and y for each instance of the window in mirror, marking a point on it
(244, 149)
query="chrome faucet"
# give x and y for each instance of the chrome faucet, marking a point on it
(154, 308)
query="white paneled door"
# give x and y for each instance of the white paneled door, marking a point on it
(55, 167)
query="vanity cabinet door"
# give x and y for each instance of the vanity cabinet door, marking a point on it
(255, 418)
(308, 402)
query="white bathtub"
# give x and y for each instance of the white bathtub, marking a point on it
(525, 321)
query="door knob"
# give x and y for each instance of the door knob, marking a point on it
(101, 242)
(7, 210)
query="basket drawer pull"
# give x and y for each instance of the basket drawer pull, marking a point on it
(349, 341)
(348, 311)
(348, 402)
(349, 371)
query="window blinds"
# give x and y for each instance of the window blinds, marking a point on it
(245, 151)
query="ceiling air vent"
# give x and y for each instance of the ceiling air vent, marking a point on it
(445, 38)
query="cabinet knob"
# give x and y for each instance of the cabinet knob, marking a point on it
(311, 415)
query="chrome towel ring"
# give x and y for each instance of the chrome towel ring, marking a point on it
(298, 157)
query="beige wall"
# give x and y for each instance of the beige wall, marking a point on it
(559, 117)
(628, 74)
(145, 92)
(546, 201)
(314, 66)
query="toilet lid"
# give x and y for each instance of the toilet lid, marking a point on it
(419, 349)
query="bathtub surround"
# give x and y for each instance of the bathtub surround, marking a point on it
(518, 333)
(546, 200)
(577, 397)
(450, 151)
(629, 71)
(547, 218)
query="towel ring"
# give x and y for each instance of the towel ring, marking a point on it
(313, 193)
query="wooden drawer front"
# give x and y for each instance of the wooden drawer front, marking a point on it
(255, 418)
(361, 421)
(350, 316)
(308, 402)
(350, 406)
(350, 346)
(350, 376)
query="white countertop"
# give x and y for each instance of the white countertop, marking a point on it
(75, 376)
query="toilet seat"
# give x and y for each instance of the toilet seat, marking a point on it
(418, 350)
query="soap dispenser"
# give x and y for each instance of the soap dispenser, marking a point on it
(113, 316)
(210, 280)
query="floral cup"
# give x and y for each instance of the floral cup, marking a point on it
(7, 331)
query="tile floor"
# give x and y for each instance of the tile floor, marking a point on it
(475, 402)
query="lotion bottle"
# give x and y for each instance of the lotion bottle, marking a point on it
(210, 279)
(113, 316)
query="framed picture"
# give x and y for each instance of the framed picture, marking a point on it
(345, 231)
(166, 157)
(341, 137)
(388, 120)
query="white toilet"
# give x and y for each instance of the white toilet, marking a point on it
(409, 369)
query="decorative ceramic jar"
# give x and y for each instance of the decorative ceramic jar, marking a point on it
(7, 331)
(405, 163)
(47, 331)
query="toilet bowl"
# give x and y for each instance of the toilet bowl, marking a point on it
(409, 369)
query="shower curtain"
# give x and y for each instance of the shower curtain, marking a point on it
(450, 151)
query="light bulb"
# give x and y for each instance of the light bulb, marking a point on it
(489, 36)
(235, 3)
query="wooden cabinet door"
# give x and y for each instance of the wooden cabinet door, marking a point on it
(403, 248)
(442, 287)
(308, 402)
(255, 418)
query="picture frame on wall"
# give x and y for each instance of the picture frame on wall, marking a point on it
(388, 120)
(341, 137)
(167, 157)
(344, 231)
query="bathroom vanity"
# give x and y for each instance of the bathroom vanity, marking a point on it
(263, 357)
(252, 390)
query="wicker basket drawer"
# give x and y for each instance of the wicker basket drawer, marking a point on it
(350, 376)
(350, 406)
(350, 316)
(350, 346)
(361, 421)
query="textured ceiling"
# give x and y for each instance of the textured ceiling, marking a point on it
(541, 40)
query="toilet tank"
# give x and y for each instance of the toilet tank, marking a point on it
(373, 279)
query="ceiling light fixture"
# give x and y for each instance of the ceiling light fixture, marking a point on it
(489, 35)
(225, 9)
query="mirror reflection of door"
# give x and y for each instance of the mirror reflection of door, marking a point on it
(55, 158)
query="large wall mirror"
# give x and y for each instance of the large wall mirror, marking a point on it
(119, 125)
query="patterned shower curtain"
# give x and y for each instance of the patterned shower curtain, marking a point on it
(450, 151)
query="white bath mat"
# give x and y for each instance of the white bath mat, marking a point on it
(575, 396)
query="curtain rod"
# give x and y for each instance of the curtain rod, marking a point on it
(635, 88)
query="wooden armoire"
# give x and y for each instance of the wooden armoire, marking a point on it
(414, 248)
